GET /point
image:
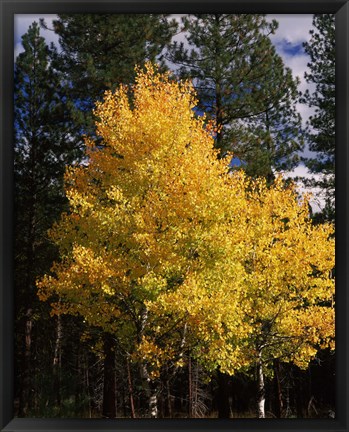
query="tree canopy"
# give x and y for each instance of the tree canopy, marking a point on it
(168, 251)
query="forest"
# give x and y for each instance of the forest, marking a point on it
(164, 265)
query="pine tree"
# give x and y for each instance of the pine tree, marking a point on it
(243, 84)
(99, 51)
(42, 147)
(321, 125)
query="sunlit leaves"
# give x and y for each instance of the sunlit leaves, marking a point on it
(166, 249)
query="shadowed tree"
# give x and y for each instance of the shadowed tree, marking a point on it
(321, 125)
(244, 86)
(43, 146)
(99, 51)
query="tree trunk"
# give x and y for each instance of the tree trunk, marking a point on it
(260, 388)
(80, 378)
(277, 388)
(87, 380)
(223, 395)
(151, 389)
(28, 329)
(26, 381)
(190, 388)
(298, 390)
(109, 397)
(150, 386)
(57, 363)
(153, 404)
(29, 285)
(169, 399)
(130, 388)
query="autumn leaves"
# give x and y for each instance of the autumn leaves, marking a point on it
(169, 251)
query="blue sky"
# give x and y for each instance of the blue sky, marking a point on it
(292, 32)
(293, 49)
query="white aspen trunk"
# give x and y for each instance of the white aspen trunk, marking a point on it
(153, 404)
(150, 385)
(260, 388)
(151, 392)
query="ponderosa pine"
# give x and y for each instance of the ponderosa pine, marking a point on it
(244, 86)
(321, 125)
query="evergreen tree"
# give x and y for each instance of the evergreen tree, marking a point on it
(243, 84)
(321, 126)
(43, 145)
(99, 51)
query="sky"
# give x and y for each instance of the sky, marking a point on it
(288, 40)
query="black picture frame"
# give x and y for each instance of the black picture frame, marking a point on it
(11, 7)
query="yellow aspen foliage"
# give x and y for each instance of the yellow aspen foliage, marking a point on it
(153, 211)
(167, 250)
(282, 265)
(288, 283)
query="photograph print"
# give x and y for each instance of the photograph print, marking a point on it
(174, 216)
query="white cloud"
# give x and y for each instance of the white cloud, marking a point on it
(298, 65)
(300, 171)
(317, 201)
(293, 28)
(288, 39)
(181, 36)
